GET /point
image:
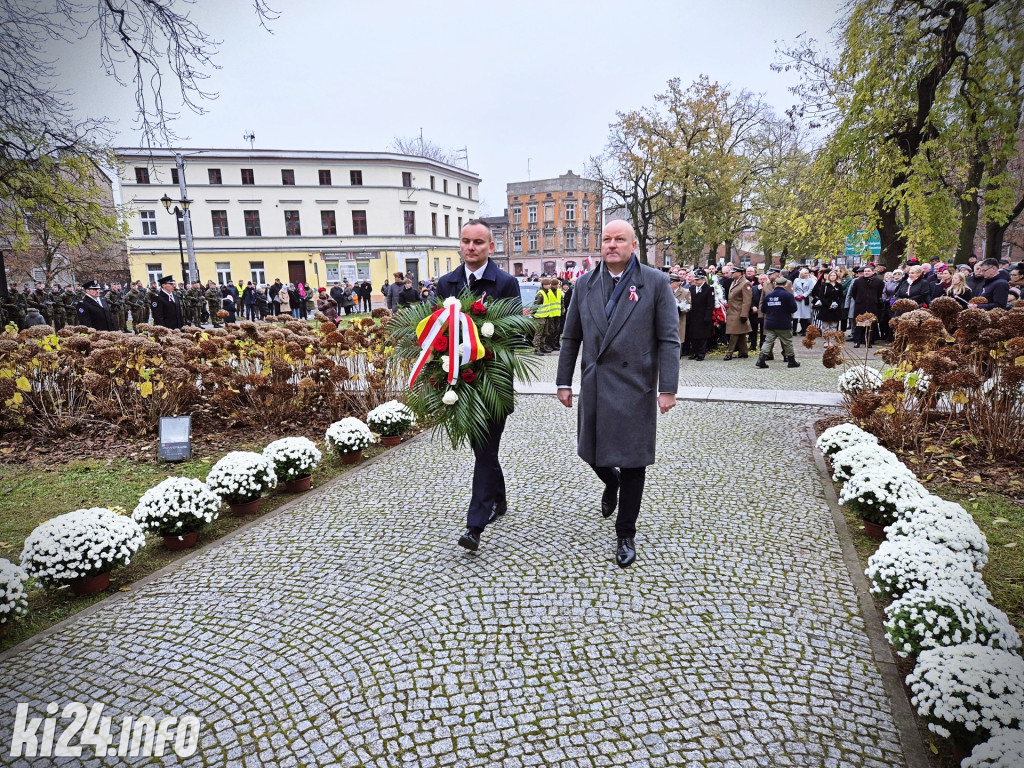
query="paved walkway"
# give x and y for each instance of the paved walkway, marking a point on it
(349, 629)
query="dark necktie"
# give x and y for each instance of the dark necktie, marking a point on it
(472, 282)
(615, 280)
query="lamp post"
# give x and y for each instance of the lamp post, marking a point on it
(179, 214)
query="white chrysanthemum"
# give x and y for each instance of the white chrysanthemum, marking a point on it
(13, 595)
(451, 301)
(902, 564)
(860, 457)
(946, 614)
(1005, 750)
(873, 493)
(241, 476)
(487, 330)
(969, 692)
(292, 457)
(841, 436)
(390, 418)
(943, 523)
(349, 435)
(177, 506)
(80, 544)
(859, 378)
(450, 397)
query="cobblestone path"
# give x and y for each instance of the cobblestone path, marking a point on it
(351, 630)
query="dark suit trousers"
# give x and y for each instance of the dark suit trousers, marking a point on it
(488, 479)
(631, 493)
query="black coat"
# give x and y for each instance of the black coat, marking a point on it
(828, 294)
(166, 312)
(866, 295)
(702, 306)
(920, 291)
(90, 313)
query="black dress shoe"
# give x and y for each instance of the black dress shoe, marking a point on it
(500, 508)
(610, 498)
(727, 357)
(470, 539)
(692, 357)
(858, 345)
(744, 357)
(698, 358)
(625, 552)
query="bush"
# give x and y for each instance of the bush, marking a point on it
(79, 545)
(292, 457)
(1003, 751)
(874, 493)
(177, 506)
(902, 564)
(348, 436)
(13, 597)
(946, 524)
(835, 439)
(391, 419)
(241, 476)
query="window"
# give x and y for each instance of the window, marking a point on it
(223, 272)
(533, 241)
(549, 214)
(355, 178)
(142, 175)
(570, 213)
(248, 178)
(220, 223)
(410, 222)
(549, 243)
(433, 224)
(406, 179)
(531, 214)
(214, 174)
(437, 267)
(291, 224)
(586, 211)
(444, 183)
(447, 226)
(257, 273)
(328, 224)
(148, 219)
(174, 175)
(325, 178)
(469, 192)
(432, 182)
(458, 190)
(252, 223)
(570, 241)
(499, 242)
(517, 216)
(460, 226)
(517, 242)
(154, 272)
(358, 222)
(288, 177)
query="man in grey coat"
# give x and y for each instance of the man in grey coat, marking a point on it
(625, 318)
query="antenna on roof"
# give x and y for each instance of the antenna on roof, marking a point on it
(250, 137)
(463, 155)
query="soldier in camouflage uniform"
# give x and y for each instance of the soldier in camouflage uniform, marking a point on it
(115, 300)
(213, 302)
(136, 301)
(40, 299)
(10, 312)
(60, 316)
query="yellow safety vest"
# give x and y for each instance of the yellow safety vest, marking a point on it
(552, 306)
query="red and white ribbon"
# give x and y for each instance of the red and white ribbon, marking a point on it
(632, 293)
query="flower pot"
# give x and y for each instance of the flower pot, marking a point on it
(177, 543)
(250, 507)
(960, 752)
(91, 584)
(299, 484)
(351, 458)
(390, 440)
(874, 530)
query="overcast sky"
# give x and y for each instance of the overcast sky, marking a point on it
(519, 84)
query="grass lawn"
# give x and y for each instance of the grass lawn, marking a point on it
(32, 494)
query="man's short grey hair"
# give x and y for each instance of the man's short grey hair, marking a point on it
(990, 263)
(480, 223)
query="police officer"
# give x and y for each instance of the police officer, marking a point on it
(166, 307)
(93, 311)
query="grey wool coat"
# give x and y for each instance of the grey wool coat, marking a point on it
(626, 362)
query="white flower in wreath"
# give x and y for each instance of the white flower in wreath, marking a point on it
(445, 364)
(450, 397)
(487, 330)
(451, 301)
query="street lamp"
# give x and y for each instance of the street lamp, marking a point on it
(179, 218)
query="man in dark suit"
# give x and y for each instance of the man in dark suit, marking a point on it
(488, 501)
(624, 317)
(700, 324)
(166, 306)
(93, 311)
(866, 297)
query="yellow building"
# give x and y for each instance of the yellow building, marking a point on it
(310, 217)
